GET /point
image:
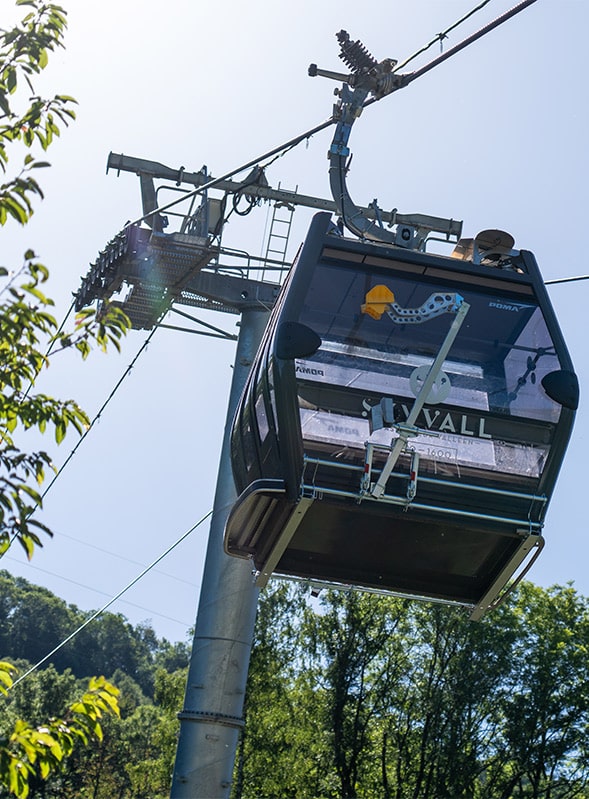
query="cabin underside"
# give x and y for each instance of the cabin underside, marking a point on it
(376, 545)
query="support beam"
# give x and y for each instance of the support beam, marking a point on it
(157, 171)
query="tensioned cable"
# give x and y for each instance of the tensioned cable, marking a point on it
(48, 352)
(470, 39)
(115, 555)
(105, 593)
(441, 36)
(565, 280)
(31, 384)
(254, 162)
(282, 148)
(88, 429)
(411, 76)
(99, 612)
(97, 416)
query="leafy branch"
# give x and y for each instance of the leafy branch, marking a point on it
(29, 752)
(24, 53)
(29, 333)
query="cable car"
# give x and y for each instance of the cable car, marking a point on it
(404, 421)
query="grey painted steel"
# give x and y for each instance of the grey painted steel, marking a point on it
(142, 166)
(213, 704)
(313, 491)
(283, 541)
(351, 467)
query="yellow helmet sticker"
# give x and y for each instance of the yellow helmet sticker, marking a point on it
(377, 302)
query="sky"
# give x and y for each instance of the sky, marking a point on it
(496, 136)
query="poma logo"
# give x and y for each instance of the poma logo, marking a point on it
(507, 306)
(306, 370)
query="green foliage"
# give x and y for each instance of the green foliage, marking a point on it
(133, 756)
(353, 696)
(24, 53)
(35, 621)
(28, 331)
(29, 753)
(372, 697)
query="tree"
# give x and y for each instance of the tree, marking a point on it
(28, 332)
(360, 650)
(368, 696)
(544, 739)
(31, 753)
(282, 750)
(134, 758)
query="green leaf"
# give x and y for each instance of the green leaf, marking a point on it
(11, 80)
(27, 544)
(60, 431)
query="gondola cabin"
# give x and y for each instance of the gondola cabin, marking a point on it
(404, 421)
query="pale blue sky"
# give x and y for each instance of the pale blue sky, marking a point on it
(497, 136)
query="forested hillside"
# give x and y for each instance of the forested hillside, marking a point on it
(34, 621)
(135, 757)
(350, 695)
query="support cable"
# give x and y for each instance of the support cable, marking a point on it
(88, 429)
(99, 612)
(97, 416)
(441, 36)
(111, 554)
(466, 42)
(405, 80)
(48, 353)
(106, 593)
(565, 280)
(291, 143)
(277, 151)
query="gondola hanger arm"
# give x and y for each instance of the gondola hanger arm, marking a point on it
(368, 82)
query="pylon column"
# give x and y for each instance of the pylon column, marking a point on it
(212, 716)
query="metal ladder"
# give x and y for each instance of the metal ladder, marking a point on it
(278, 237)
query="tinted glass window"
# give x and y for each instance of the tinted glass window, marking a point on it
(491, 377)
(496, 363)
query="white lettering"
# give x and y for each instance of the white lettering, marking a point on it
(463, 428)
(482, 433)
(429, 420)
(448, 424)
(460, 424)
(507, 306)
(347, 431)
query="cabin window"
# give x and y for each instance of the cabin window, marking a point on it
(247, 439)
(261, 418)
(495, 414)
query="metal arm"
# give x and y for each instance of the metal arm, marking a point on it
(368, 77)
(407, 430)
